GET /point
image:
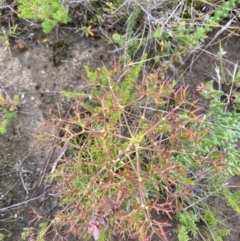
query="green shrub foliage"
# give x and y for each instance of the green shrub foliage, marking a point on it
(48, 12)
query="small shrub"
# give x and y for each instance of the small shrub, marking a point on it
(138, 148)
(49, 12)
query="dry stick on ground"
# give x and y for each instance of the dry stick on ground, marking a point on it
(2, 90)
(20, 171)
(11, 7)
(5, 194)
(204, 198)
(22, 203)
(64, 149)
(18, 168)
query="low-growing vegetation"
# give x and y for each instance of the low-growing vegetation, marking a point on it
(138, 153)
(49, 13)
(163, 29)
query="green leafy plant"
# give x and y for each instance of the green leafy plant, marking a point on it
(49, 12)
(35, 234)
(233, 199)
(8, 110)
(183, 233)
(221, 119)
(188, 221)
(214, 226)
(43, 227)
(139, 150)
(26, 233)
(189, 225)
(4, 234)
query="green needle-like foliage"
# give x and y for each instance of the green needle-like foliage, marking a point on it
(48, 12)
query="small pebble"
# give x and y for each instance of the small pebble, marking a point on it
(21, 47)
